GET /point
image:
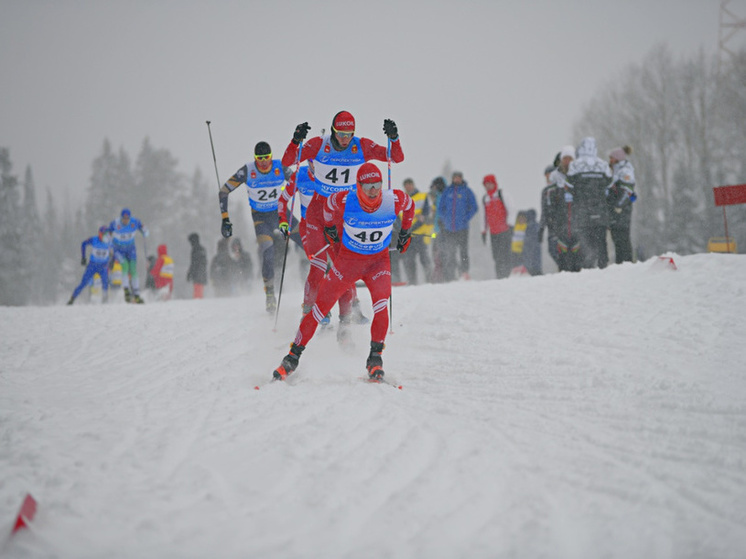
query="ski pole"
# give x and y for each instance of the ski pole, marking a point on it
(287, 240)
(391, 296)
(214, 160)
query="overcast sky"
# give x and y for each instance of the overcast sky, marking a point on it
(491, 86)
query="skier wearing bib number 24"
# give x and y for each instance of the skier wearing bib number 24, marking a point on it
(334, 160)
(264, 178)
(359, 225)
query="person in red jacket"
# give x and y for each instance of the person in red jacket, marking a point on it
(163, 274)
(358, 225)
(496, 223)
(334, 160)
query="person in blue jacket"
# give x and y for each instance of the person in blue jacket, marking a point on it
(123, 231)
(456, 207)
(98, 263)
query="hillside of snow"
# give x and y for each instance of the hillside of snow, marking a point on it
(597, 414)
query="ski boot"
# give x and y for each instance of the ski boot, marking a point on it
(344, 335)
(71, 301)
(127, 295)
(375, 362)
(271, 301)
(289, 362)
(357, 315)
(136, 299)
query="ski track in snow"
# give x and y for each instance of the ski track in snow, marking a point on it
(600, 414)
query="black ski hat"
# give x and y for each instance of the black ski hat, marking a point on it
(262, 148)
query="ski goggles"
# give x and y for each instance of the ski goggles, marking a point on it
(368, 186)
(343, 134)
(263, 157)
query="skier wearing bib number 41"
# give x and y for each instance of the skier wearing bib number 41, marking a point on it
(264, 178)
(334, 160)
(358, 225)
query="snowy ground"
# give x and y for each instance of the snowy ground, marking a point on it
(599, 414)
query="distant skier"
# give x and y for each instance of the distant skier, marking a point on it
(359, 225)
(123, 231)
(98, 263)
(334, 160)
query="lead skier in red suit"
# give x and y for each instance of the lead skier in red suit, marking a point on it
(358, 225)
(334, 160)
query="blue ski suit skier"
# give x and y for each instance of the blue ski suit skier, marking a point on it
(98, 264)
(123, 231)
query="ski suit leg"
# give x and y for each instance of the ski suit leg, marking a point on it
(90, 271)
(120, 257)
(377, 278)
(264, 224)
(344, 273)
(312, 243)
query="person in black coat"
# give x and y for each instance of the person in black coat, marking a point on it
(197, 273)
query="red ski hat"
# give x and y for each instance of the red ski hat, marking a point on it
(343, 122)
(369, 174)
(490, 181)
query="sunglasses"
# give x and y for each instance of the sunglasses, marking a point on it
(263, 157)
(343, 134)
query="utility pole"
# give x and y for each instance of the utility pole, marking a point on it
(730, 24)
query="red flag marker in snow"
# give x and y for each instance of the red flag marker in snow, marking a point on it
(668, 262)
(26, 514)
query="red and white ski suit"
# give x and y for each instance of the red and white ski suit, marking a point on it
(349, 266)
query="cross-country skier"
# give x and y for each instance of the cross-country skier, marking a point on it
(358, 224)
(98, 263)
(123, 232)
(263, 178)
(334, 160)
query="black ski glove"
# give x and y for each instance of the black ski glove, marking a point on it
(301, 131)
(331, 235)
(405, 237)
(83, 261)
(389, 128)
(226, 229)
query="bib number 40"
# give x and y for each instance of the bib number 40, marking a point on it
(373, 237)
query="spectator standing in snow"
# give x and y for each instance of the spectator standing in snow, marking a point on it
(456, 207)
(496, 224)
(243, 269)
(621, 196)
(197, 272)
(436, 191)
(531, 246)
(222, 270)
(163, 274)
(551, 200)
(589, 178)
(98, 264)
(421, 231)
(567, 247)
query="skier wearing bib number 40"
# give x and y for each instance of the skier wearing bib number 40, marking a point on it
(334, 160)
(264, 179)
(358, 225)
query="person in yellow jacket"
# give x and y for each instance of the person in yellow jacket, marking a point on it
(422, 230)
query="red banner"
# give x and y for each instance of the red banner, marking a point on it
(730, 195)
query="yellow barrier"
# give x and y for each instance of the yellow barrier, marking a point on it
(722, 244)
